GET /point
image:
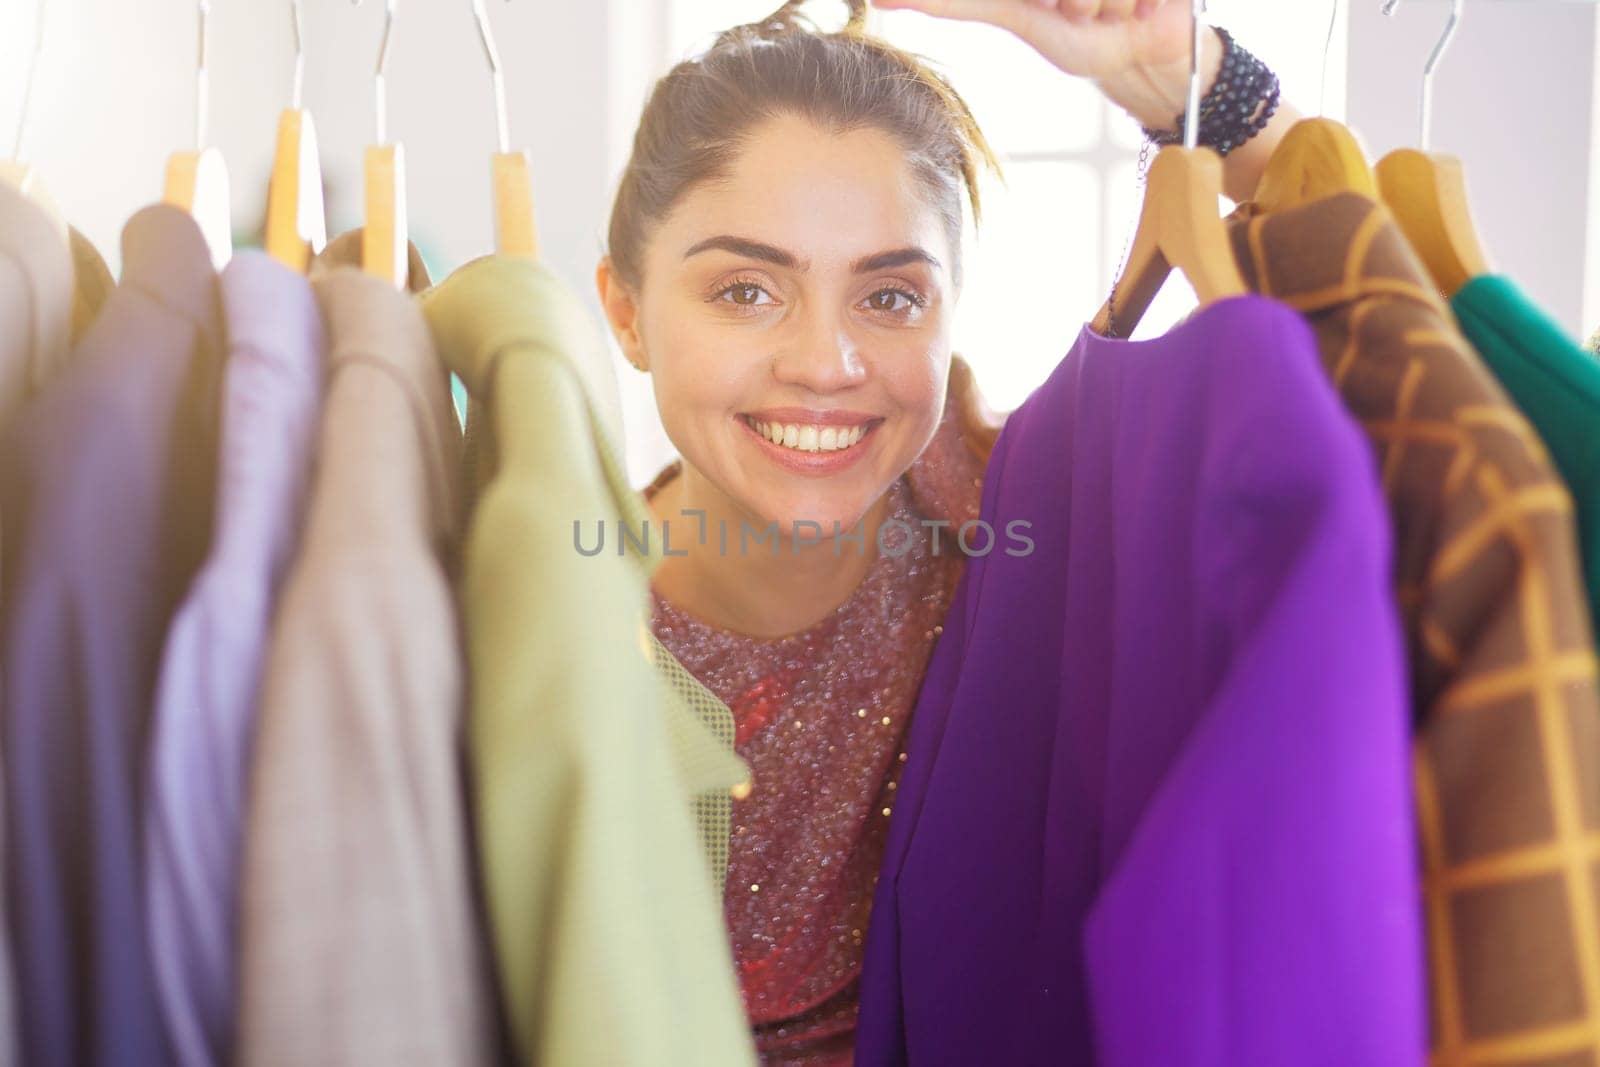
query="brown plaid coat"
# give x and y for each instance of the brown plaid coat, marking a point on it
(1507, 717)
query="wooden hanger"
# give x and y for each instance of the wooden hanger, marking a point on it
(14, 171)
(385, 236)
(1427, 192)
(297, 227)
(1179, 226)
(1316, 158)
(514, 231)
(197, 181)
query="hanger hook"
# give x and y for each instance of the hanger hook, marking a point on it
(1191, 121)
(486, 35)
(379, 88)
(27, 84)
(202, 95)
(297, 19)
(1432, 66)
(1327, 51)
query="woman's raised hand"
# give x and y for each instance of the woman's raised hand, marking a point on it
(1103, 40)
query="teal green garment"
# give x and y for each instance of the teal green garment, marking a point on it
(591, 764)
(458, 398)
(1557, 386)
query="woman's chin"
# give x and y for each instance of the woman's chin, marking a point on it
(807, 520)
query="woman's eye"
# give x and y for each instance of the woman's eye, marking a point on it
(744, 294)
(884, 300)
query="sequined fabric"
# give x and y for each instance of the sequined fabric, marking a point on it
(821, 719)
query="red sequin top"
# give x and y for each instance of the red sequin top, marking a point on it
(821, 719)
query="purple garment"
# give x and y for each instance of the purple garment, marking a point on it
(106, 487)
(211, 667)
(1157, 807)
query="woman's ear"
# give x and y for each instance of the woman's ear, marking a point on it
(622, 312)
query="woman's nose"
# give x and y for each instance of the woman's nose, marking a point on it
(821, 357)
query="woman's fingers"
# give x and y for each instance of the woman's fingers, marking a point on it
(1021, 15)
(1116, 9)
(1088, 38)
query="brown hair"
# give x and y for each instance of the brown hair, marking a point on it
(701, 112)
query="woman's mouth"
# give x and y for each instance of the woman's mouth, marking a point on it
(804, 437)
(812, 448)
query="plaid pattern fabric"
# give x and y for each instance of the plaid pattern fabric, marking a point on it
(1507, 718)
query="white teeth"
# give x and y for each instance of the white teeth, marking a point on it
(809, 438)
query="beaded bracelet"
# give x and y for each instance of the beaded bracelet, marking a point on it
(1232, 112)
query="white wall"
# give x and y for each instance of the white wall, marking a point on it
(1591, 285)
(1512, 100)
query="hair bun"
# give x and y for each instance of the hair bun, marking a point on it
(790, 19)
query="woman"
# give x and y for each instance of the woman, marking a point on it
(785, 262)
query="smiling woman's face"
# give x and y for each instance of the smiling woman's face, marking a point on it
(806, 296)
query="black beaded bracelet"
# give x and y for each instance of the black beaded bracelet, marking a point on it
(1240, 104)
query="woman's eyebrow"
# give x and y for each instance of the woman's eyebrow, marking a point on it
(744, 246)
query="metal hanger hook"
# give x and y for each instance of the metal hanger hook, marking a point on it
(1432, 66)
(480, 14)
(202, 95)
(1327, 51)
(379, 88)
(296, 18)
(27, 83)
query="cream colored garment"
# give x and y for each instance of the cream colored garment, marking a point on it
(586, 767)
(361, 942)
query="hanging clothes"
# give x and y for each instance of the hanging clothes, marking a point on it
(822, 718)
(361, 941)
(604, 922)
(700, 727)
(1155, 807)
(47, 298)
(205, 703)
(1503, 679)
(92, 282)
(49, 292)
(36, 295)
(1557, 386)
(106, 489)
(35, 302)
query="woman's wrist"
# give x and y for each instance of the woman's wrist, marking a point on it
(1154, 95)
(1157, 96)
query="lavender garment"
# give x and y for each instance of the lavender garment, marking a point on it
(1156, 809)
(211, 666)
(106, 488)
